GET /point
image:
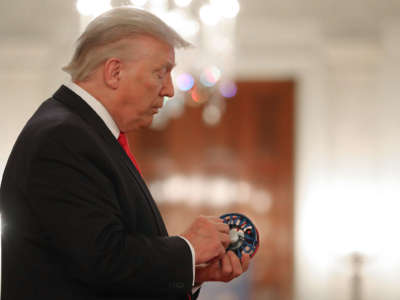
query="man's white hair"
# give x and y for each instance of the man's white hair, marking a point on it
(108, 35)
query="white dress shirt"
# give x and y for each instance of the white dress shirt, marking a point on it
(102, 112)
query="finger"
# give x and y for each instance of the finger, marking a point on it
(213, 219)
(212, 261)
(222, 227)
(236, 265)
(217, 221)
(245, 260)
(226, 266)
(225, 240)
(221, 252)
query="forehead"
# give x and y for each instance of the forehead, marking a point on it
(144, 46)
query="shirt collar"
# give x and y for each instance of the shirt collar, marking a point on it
(96, 105)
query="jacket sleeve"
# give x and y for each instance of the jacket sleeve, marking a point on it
(75, 201)
(196, 294)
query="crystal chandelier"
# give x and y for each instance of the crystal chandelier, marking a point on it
(204, 74)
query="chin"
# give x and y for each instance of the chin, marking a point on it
(145, 123)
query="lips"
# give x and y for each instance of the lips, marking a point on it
(155, 109)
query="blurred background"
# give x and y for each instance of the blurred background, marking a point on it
(285, 111)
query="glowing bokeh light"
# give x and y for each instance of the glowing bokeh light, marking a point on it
(195, 95)
(209, 15)
(182, 3)
(138, 2)
(220, 191)
(228, 89)
(226, 8)
(210, 76)
(211, 115)
(261, 201)
(185, 82)
(92, 7)
(191, 28)
(181, 23)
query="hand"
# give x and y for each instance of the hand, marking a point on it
(209, 237)
(226, 269)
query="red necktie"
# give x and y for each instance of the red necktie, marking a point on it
(124, 143)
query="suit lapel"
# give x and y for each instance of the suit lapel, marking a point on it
(139, 179)
(79, 106)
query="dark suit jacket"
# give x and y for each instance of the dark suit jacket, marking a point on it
(79, 221)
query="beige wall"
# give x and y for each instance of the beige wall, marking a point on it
(347, 169)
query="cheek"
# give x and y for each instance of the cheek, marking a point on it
(154, 87)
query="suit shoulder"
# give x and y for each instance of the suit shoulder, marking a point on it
(71, 122)
(54, 125)
(52, 117)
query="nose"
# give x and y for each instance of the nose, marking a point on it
(168, 87)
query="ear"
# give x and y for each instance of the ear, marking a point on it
(112, 72)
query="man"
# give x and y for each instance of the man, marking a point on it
(80, 222)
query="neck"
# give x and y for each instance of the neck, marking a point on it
(102, 94)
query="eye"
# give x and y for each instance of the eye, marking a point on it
(161, 73)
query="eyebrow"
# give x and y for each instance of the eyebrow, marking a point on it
(170, 65)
